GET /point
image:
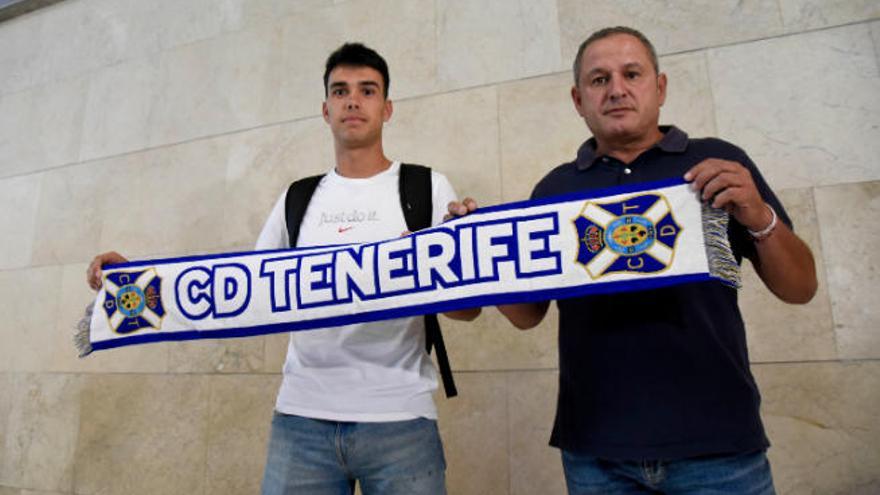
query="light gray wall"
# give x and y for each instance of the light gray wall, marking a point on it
(211, 107)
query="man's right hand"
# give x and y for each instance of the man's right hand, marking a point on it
(93, 273)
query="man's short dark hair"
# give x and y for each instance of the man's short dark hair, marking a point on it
(357, 55)
(611, 31)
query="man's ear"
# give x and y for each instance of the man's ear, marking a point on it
(389, 109)
(325, 112)
(576, 99)
(661, 88)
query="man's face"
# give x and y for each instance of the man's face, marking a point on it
(619, 93)
(356, 108)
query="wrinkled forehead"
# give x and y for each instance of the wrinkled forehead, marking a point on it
(614, 52)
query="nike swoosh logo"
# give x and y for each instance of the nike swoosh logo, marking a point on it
(344, 229)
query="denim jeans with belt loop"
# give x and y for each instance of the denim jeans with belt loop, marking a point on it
(736, 474)
(318, 457)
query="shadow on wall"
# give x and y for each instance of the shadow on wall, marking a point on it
(14, 8)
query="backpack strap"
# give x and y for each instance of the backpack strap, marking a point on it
(297, 201)
(415, 196)
(417, 204)
(433, 338)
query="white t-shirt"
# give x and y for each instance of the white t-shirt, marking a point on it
(364, 372)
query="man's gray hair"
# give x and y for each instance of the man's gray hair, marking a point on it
(611, 31)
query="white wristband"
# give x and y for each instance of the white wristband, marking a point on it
(766, 231)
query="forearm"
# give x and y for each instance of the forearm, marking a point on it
(525, 315)
(469, 314)
(786, 266)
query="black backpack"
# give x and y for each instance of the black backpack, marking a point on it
(417, 205)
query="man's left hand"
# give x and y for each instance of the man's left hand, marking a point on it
(456, 209)
(783, 261)
(729, 185)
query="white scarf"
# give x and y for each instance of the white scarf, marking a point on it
(621, 239)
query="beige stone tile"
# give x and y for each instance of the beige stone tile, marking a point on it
(240, 417)
(455, 133)
(474, 427)
(45, 57)
(276, 352)
(120, 101)
(402, 31)
(9, 491)
(689, 104)
(521, 40)
(492, 343)
(29, 304)
(793, 119)
(72, 203)
(221, 356)
(822, 419)
(539, 129)
(150, 27)
(853, 276)
(708, 23)
(875, 35)
(782, 332)
(43, 422)
(9, 332)
(94, 37)
(102, 32)
(176, 205)
(15, 111)
(56, 123)
(143, 434)
(7, 391)
(801, 15)
(19, 197)
(259, 11)
(216, 86)
(39, 492)
(535, 467)
(260, 166)
(19, 58)
(75, 295)
(41, 127)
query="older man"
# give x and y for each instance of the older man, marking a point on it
(655, 392)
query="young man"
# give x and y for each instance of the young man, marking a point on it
(355, 404)
(655, 391)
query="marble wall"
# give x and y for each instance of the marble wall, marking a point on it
(213, 106)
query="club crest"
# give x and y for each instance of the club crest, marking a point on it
(133, 300)
(634, 235)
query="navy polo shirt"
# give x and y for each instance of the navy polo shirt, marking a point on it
(662, 373)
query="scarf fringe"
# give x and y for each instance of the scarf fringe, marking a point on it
(81, 337)
(722, 263)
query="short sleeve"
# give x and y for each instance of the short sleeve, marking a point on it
(442, 194)
(274, 233)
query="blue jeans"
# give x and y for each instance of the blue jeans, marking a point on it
(317, 457)
(744, 474)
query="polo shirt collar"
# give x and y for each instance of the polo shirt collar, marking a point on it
(674, 141)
